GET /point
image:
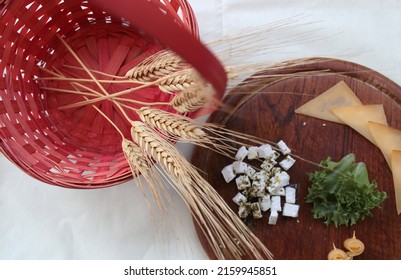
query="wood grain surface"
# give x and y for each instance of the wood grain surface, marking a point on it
(264, 107)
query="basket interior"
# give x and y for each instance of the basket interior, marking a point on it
(75, 147)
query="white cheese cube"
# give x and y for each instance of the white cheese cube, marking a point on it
(276, 203)
(266, 175)
(281, 179)
(252, 153)
(258, 189)
(287, 162)
(256, 212)
(275, 170)
(241, 154)
(250, 171)
(275, 155)
(273, 217)
(290, 210)
(244, 211)
(239, 167)
(265, 203)
(228, 173)
(239, 199)
(282, 146)
(243, 182)
(265, 151)
(268, 165)
(259, 176)
(276, 191)
(259, 184)
(290, 195)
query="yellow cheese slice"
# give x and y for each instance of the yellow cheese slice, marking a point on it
(358, 117)
(396, 169)
(387, 139)
(336, 96)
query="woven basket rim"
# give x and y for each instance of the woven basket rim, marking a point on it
(13, 130)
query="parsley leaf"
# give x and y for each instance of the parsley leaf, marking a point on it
(341, 192)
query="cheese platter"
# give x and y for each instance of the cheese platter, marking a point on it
(264, 106)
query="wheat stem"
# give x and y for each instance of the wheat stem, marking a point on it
(97, 94)
(85, 80)
(228, 236)
(62, 90)
(94, 71)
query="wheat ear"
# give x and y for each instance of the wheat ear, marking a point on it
(182, 129)
(193, 99)
(156, 66)
(225, 232)
(141, 165)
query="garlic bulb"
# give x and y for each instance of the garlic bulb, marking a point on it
(337, 254)
(354, 246)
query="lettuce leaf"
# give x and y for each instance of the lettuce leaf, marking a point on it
(341, 192)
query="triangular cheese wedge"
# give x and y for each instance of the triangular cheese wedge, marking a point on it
(358, 117)
(396, 169)
(387, 139)
(320, 107)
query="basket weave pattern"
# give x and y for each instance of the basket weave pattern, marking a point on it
(75, 147)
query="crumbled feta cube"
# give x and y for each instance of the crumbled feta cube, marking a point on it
(239, 167)
(290, 195)
(265, 151)
(265, 203)
(259, 176)
(243, 182)
(256, 212)
(268, 165)
(273, 217)
(228, 173)
(266, 175)
(240, 199)
(282, 146)
(252, 153)
(279, 190)
(250, 171)
(276, 203)
(244, 211)
(259, 184)
(258, 189)
(274, 189)
(241, 154)
(290, 210)
(247, 192)
(275, 155)
(287, 162)
(281, 179)
(275, 170)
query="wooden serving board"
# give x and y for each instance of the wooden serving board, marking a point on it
(264, 107)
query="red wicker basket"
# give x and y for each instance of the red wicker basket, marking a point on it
(77, 147)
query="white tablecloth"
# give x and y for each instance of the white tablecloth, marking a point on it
(38, 221)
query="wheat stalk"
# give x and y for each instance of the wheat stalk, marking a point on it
(183, 129)
(156, 66)
(192, 98)
(141, 164)
(228, 236)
